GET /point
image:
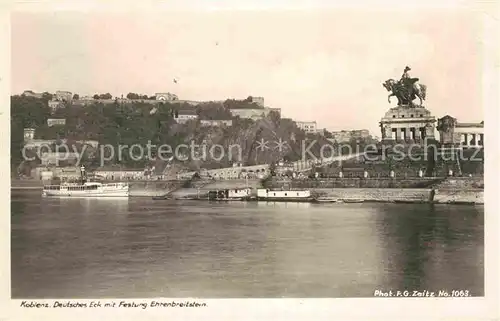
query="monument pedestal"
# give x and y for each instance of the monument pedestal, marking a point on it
(404, 124)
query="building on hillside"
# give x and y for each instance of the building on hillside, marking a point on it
(216, 123)
(30, 93)
(56, 122)
(284, 168)
(166, 97)
(257, 100)
(453, 133)
(248, 113)
(39, 143)
(321, 131)
(114, 174)
(29, 134)
(310, 127)
(54, 104)
(31, 142)
(182, 116)
(253, 113)
(57, 158)
(63, 95)
(235, 172)
(346, 135)
(65, 174)
(276, 110)
(189, 102)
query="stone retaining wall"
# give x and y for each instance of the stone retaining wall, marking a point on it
(448, 196)
(354, 183)
(417, 195)
(155, 188)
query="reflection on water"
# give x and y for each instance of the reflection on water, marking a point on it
(144, 248)
(284, 205)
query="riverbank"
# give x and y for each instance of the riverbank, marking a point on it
(445, 191)
(354, 182)
(26, 184)
(158, 188)
(374, 195)
(411, 195)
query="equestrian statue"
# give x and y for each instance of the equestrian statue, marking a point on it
(406, 89)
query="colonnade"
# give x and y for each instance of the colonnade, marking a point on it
(471, 139)
(414, 133)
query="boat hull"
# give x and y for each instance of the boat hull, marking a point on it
(100, 191)
(160, 198)
(286, 199)
(85, 194)
(230, 199)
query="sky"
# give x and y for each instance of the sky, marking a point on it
(323, 65)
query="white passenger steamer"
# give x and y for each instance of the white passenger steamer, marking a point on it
(86, 189)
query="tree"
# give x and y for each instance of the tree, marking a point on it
(47, 96)
(25, 112)
(105, 96)
(96, 96)
(133, 96)
(274, 116)
(328, 134)
(240, 104)
(76, 97)
(214, 111)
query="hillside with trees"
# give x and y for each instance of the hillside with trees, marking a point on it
(133, 123)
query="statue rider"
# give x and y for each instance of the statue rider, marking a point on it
(406, 74)
(407, 82)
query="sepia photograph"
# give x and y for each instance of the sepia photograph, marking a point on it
(325, 153)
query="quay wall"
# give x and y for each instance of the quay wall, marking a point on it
(450, 191)
(204, 186)
(450, 196)
(354, 183)
(137, 188)
(454, 190)
(227, 184)
(26, 184)
(278, 183)
(462, 183)
(153, 188)
(179, 188)
(416, 195)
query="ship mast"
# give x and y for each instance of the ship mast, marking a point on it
(82, 174)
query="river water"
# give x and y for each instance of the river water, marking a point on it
(97, 248)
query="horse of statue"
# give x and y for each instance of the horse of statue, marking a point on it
(404, 94)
